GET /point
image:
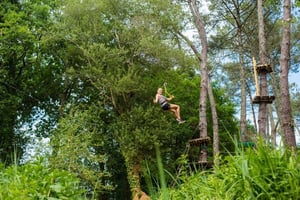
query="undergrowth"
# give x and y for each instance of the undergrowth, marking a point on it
(262, 172)
(36, 181)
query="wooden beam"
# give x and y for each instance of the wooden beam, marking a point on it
(256, 78)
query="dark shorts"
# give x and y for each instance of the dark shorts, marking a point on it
(165, 106)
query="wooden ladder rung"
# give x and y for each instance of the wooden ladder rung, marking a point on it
(264, 67)
(199, 141)
(263, 99)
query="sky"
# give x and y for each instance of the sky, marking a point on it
(295, 78)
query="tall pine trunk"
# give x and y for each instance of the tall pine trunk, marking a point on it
(252, 107)
(286, 113)
(200, 26)
(275, 82)
(212, 102)
(273, 126)
(262, 115)
(243, 120)
(216, 140)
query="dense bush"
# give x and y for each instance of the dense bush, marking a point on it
(36, 181)
(262, 172)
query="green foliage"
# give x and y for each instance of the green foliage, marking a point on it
(115, 57)
(262, 172)
(139, 130)
(99, 64)
(23, 68)
(76, 147)
(37, 181)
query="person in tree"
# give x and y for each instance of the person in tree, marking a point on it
(165, 105)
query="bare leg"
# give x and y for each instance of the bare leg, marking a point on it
(176, 110)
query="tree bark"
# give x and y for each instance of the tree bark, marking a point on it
(200, 26)
(212, 103)
(134, 170)
(252, 107)
(275, 82)
(237, 16)
(215, 123)
(273, 126)
(262, 114)
(243, 120)
(286, 112)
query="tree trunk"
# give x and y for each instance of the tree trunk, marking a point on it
(243, 120)
(252, 107)
(199, 23)
(262, 114)
(273, 126)
(237, 15)
(286, 113)
(212, 103)
(215, 122)
(275, 81)
(134, 170)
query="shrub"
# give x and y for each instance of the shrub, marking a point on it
(37, 181)
(262, 172)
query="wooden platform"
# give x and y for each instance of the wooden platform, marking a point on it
(264, 67)
(199, 141)
(263, 99)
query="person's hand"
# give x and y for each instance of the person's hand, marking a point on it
(170, 98)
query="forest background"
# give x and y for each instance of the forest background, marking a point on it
(78, 78)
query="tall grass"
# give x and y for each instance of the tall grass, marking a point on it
(37, 181)
(262, 172)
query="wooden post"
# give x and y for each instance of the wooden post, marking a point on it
(256, 78)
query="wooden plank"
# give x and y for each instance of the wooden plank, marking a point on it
(256, 78)
(199, 141)
(264, 67)
(263, 99)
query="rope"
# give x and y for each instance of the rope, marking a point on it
(166, 91)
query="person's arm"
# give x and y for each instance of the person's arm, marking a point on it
(170, 98)
(155, 100)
